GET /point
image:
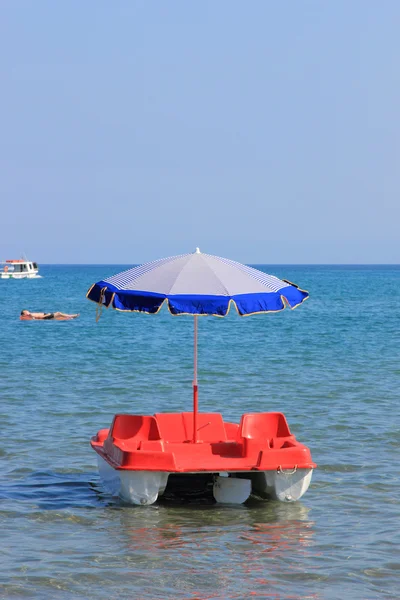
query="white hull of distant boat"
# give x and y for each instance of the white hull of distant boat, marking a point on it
(19, 269)
(19, 276)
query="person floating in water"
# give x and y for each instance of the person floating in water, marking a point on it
(58, 316)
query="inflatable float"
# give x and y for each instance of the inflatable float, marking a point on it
(29, 318)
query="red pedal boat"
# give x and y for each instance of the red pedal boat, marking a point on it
(259, 457)
(144, 457)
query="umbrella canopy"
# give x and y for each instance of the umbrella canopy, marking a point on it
(196, 284)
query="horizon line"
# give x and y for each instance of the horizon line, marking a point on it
(305, 264)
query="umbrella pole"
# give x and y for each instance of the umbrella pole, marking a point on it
(195, 386)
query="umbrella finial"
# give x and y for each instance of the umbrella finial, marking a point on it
(197, 251)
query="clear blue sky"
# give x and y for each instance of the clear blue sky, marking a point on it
(265, 132)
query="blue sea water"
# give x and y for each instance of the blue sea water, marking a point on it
(332, 366)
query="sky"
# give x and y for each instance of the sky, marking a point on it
(264, 132)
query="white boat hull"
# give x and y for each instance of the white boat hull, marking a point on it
(144, 487)
(135, 487)
(19, 275)
(285, 485)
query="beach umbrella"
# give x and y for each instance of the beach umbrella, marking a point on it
(195, 284)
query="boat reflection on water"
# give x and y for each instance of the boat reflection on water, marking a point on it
(237, 552)
(267, 525)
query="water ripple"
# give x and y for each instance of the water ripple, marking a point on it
(331, 366)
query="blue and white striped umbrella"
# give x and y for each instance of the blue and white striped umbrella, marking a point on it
(196, 284)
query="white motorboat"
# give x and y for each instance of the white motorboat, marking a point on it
(19, 269)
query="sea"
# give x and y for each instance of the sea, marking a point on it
(331, 366)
